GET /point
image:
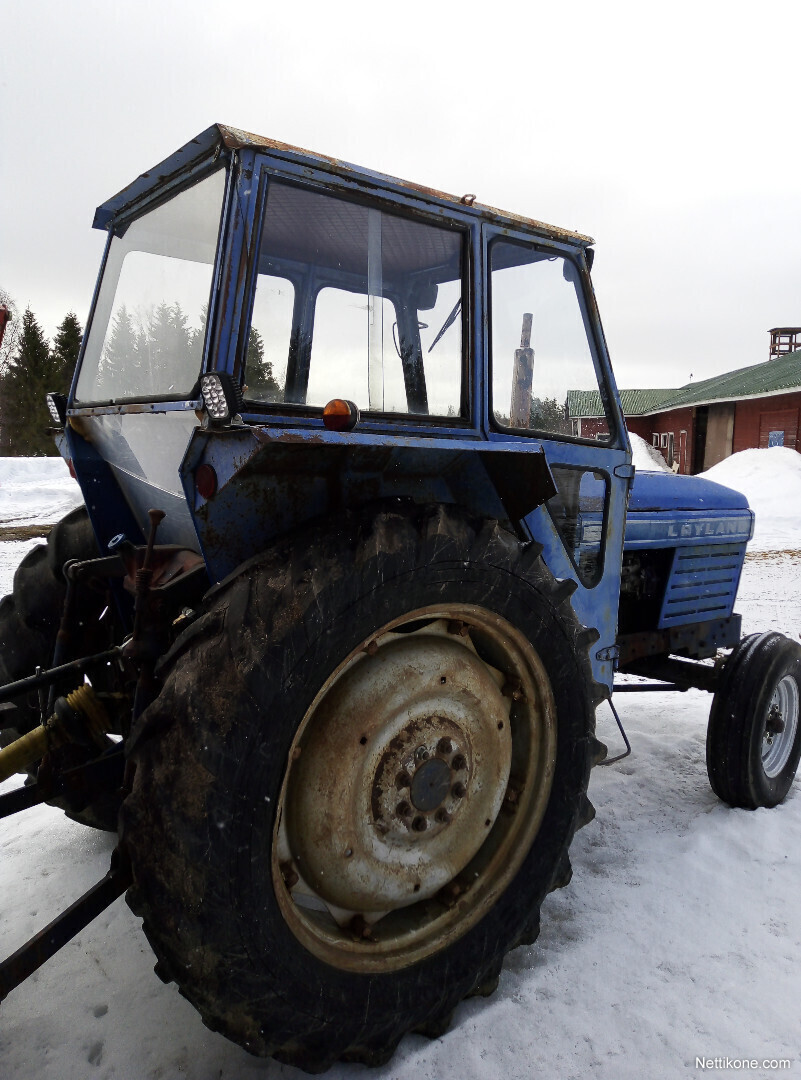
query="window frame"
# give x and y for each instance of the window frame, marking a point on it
(598, 356)
(586, 581)
(117, 230)
(295, 414)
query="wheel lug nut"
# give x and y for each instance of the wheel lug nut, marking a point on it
(402, 780)
(403, 809)
(458, 763)
(444, 746)
(442, 816)
(421, 753)
(458, 790)
(419, 824)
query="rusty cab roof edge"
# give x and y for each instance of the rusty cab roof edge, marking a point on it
(218, 136)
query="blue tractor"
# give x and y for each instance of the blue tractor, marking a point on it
(326, 643)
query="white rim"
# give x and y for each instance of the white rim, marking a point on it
(781, 724)
(416, 784)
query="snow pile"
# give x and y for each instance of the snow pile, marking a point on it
(36, 491)
(646, 458)
(771, 481)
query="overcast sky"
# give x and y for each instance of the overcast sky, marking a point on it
(669, 132)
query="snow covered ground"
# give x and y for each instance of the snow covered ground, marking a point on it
(36, 491)
(678, 938)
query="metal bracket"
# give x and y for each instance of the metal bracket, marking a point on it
(609, 652)
(625, 754)
(21, 964)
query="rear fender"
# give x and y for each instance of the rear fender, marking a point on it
(269, 481)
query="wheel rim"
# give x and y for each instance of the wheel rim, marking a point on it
(781, 724)
(416, 784)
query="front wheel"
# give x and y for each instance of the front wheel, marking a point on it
(360, 781)
(754, 737)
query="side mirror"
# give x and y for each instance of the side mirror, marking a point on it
(425, 298)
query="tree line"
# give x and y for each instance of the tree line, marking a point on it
(145, 355)
(136, 356)
(30, 368)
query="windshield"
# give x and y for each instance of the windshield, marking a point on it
(146, 337)
(356, 302)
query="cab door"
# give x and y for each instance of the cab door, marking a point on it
(546, 353)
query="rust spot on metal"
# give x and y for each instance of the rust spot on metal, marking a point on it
(511, 800)
(513, 688)
(360, 928)
(289, 875)
(450, 893)
(236, 139)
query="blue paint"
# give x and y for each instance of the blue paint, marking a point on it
(278, 467)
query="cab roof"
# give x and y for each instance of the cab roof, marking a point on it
(221, 137)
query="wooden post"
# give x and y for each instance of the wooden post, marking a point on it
(522, 377)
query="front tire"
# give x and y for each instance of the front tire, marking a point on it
(359, 783)
(754, 736)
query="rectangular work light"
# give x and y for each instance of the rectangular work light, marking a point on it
(221, 396)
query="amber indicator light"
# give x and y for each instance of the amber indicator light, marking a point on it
(340, 415)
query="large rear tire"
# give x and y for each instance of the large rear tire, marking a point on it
(30, 615)
(359, 782)
(29, 620)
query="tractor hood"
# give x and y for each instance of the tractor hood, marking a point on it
(665, 491)
(682, 511)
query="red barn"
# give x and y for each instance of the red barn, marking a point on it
(704, 422)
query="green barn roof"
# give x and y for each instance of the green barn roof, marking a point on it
(634, 402)
(772, 377)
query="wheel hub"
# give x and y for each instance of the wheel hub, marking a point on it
(405, 774)
(431, 785)
(422, 779)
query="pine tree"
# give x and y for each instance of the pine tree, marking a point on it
(30, 375)
(168, 344)
(548, 415)
(64, 354)
(120, 353)
(261, 382)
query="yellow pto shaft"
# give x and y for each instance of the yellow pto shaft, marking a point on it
(80, 717)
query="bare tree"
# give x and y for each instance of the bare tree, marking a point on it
(8, 347)
(11, 336)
